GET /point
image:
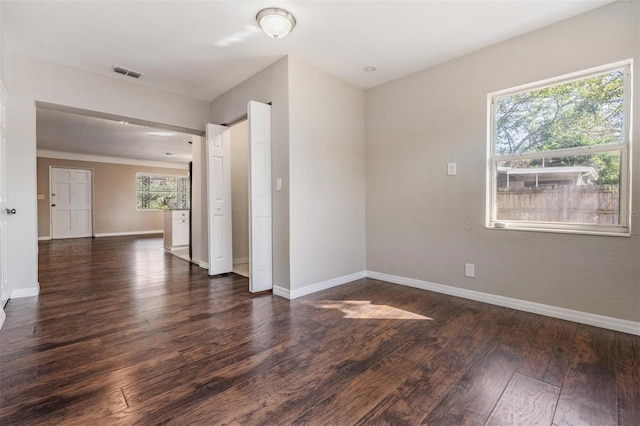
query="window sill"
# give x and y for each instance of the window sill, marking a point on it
(624, 232)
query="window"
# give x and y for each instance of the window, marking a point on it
(159, 192)
(559, 154)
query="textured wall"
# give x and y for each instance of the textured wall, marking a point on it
(425, 225)
(327, 169)
(114, 196)
(240, 190)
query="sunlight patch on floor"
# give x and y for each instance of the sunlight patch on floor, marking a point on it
(363, 309)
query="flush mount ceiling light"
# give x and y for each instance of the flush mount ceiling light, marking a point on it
(275, 22)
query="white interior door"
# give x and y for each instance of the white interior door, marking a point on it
(71, 203)
(219, 199)
(4, 289)
(260, 222)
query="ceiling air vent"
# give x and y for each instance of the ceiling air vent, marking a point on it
(127, 72)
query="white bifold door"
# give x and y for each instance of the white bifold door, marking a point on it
(71, 203)
(218, 151)
(260, 222)
(219, 198)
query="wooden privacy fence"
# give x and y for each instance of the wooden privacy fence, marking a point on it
(560, 203)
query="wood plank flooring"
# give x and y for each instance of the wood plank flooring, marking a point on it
(123, 333)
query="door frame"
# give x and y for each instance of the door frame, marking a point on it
(253, 194)
(4, 290)
(90, 169)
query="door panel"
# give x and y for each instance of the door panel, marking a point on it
(63, 189)
(260, 216)
(82, 203)
(83, 220)
(63, 220)
(219, 199)
(71, 203)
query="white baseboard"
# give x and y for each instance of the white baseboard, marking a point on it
(282, 292)
(45, 238)
(596, 320)
(2, 317)
(200, 264)
(240, 260)
(314, 288)
(25, 292)
(120, 234)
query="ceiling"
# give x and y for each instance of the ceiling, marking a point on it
(73, 133)
(203, 48)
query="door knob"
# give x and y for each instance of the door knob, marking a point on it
(9, 211)
(53, 205)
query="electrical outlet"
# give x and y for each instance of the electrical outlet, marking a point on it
(451, 169)
(469, 270)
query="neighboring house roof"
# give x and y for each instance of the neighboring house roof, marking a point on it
(551, 173)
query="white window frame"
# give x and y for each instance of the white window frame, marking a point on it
(625, 148)
(135, 187)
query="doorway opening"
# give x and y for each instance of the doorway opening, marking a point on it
(112, 164)
(113, 155)
(260, 228)
(240, 197)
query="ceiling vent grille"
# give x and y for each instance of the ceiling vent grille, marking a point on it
(127, 72)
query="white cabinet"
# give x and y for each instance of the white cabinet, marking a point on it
(176, 228)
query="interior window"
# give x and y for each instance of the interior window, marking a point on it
(160, 192)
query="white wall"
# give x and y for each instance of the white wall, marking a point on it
(5, 292)
(22, 261)
(2, 49)
(327, 176)
(62, 85)
(269, 85)
(29, 80)
(425, 225)
(240, 191)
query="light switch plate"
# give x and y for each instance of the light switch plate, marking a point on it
(278, 184)
(469, 270)
(40, 196)
(451, 169)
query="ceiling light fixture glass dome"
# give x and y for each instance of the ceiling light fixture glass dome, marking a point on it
(275, 22)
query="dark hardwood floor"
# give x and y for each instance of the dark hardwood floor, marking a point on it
(123, 333)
